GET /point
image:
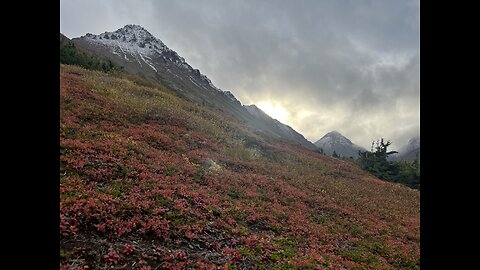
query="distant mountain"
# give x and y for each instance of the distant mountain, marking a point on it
(413, 144)
(139, 52)
(336, 142)
(409, 151)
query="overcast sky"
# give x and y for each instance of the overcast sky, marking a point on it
(318, 66)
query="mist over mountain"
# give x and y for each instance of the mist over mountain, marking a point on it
(408, 152)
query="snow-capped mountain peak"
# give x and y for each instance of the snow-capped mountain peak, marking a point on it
(334, 137)
(133, 43)
(136, 40)
(134, 35)
(336, 142)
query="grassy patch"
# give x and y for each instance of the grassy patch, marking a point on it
(359, 255)
(117, 187)
(245, 252)
(287, 247)
(170, 171)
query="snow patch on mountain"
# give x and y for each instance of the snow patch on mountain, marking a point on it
(138, 42)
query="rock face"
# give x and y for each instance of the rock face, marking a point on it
(336, 142)
(139, 52)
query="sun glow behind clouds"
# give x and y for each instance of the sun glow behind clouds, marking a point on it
(274, 110)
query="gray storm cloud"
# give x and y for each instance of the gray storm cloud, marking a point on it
(351, 66)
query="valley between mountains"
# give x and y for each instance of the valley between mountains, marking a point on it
(159, 169)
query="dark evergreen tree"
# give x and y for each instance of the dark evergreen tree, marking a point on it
(70, 55)
(377, 163)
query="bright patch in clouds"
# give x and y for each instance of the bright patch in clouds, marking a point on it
(274, 110)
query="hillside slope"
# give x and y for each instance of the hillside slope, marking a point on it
(149, 180)
(139, 52)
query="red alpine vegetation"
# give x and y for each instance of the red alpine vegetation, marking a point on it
(152, 181)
